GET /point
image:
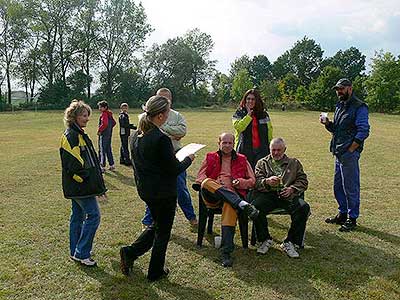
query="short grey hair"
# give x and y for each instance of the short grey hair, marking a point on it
(278, 140)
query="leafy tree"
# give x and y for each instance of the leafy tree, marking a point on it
(200, 45)
(260, 69)
(303, 60)
(269, 92)
(321, 96)
(77, 82)
(85, 38)
(243, 62)
(383, 84)
(182, 64)
(57, 95)
(221, 85)
(287, 88)
(51, 20)
(12, 35)
(241, 83)
(350, 61)
(132, 87)
(123, 28)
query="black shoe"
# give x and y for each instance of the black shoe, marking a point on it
(227, 260)
(251, 211)
(349, 225)
(339, 219)
(158, 277)
(126, 262)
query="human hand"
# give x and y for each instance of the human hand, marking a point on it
(191, 156)
(235, 182)
(286, 192)
(273, 180)
(249, 110)
(98, 133)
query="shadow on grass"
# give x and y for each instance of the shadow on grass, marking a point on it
(387, 237)
(331, 260)
(136, 286)
(127, 180)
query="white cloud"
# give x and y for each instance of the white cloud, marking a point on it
(271, 27)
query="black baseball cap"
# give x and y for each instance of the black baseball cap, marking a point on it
(342, 83)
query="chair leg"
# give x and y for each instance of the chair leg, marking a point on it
(210, 222)
(244, 229)
(253, 239)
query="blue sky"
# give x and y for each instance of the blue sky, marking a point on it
(254, 27)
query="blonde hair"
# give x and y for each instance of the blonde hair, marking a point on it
(123, 105)
(154, 106)
(75, 109)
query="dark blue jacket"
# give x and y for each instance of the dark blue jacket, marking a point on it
(350, 124)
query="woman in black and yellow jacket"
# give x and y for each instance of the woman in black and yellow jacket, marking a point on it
(253, 128)
(82, 181)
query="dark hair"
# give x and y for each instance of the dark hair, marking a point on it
(259, 106)
(102, 103)
(154, 106)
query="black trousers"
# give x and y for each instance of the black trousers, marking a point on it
(124, 150)
(156, 236)
(298, 209)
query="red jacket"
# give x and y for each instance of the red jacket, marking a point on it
(106, 117)
(238, 167)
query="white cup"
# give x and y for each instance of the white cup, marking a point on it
(217, 241)
(323, 116)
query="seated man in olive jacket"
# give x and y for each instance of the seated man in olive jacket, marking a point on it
(280, 183)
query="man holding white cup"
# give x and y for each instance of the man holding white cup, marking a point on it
(349, 128)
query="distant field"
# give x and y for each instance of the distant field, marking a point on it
(34, 218)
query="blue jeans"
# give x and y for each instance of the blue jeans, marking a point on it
(105, 150)
(184, 201)
(85, 219)
(347, 183)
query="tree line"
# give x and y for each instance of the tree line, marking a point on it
(60, 49)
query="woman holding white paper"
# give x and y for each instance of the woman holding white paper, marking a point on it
(155, 170)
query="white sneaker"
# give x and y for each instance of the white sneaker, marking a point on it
(264, 247)
(112, 168)
(290, 250)
(87, 261)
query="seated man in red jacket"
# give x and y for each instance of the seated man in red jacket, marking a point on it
(225, 176)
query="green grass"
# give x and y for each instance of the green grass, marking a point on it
(34, 219)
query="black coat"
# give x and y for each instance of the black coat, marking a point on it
(81, 172)
(155, 165)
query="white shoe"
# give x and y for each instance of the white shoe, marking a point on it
(112, 168)
(264, 247)
(290, 250)
(87, 261)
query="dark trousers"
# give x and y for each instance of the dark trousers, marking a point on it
(298, 209)
(105, 149)
(124, 151)
(157, 235)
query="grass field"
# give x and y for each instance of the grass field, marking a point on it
(34, 217)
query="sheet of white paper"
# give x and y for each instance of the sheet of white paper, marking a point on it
(191, 148)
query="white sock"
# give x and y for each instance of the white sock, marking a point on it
(243, 203)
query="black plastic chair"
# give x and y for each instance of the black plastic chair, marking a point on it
(276, 211)
(206, 219)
